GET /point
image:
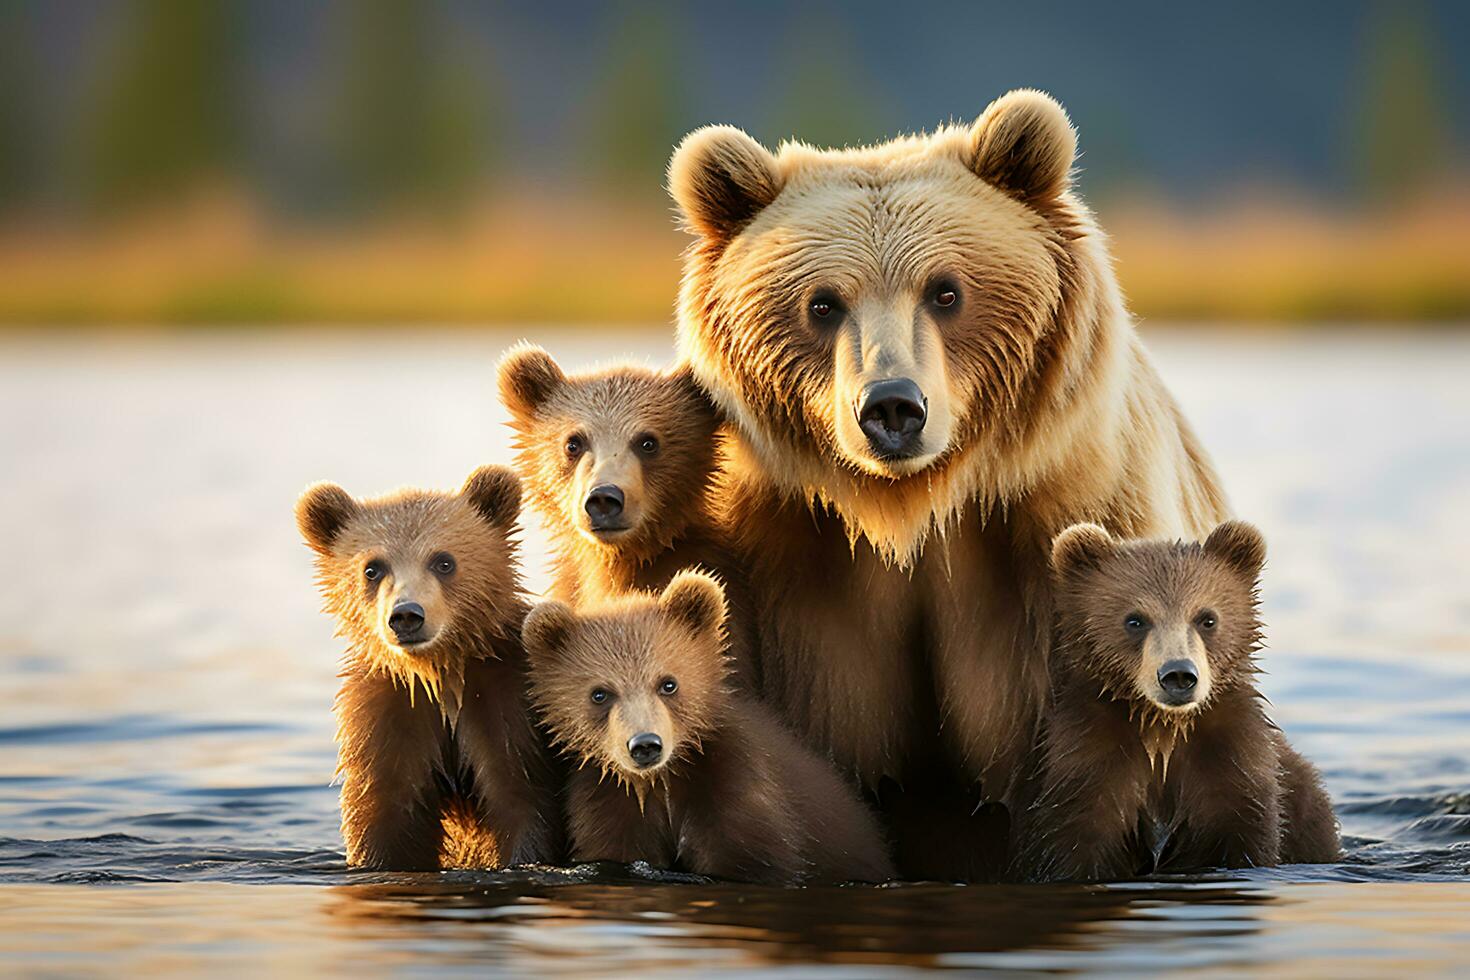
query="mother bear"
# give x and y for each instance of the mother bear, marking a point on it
(929, 372)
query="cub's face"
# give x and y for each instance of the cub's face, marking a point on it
(1166, 624)
(416, 574)
(623, 456)
(877, 309)
(633, 685)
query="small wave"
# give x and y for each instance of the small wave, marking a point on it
(125, 728)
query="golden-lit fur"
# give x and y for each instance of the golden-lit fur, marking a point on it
(439, 761)
(904, 604)
(1129, 781)
(732, 793)
(667, 506)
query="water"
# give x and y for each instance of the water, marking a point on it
(166, 679)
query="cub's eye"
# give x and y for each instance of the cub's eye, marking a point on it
(599, 696)
(1135, 622)
(1206, 620)
(647, 445)
(374, 570)
(825, 306)
(668, 686)
(575, 447)
(945, 297)
(442, 564)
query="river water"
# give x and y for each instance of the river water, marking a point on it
(166, 679)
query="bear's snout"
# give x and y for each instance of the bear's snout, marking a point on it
(1178, 679)
(407, 622)
(604, 506)
(646, 748)
(892, 414)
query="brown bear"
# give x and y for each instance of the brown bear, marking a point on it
(930, 372)
(619, 462)
(441, 764)
(676, 768)
(1156, 753)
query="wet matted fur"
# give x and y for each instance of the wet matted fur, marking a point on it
(441, 765)
(731, 792)
(904, 604)
(1130, 781)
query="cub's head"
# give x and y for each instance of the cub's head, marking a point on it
(876, 319)
(418, 579)
(1164, 624)
(632, 686)
(622, 456)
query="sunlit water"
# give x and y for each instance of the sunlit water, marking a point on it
(166, 679)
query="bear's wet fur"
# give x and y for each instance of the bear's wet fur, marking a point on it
(440, 762)
(1156, 752)
(619, 462)
(928, 372)
(675, 767)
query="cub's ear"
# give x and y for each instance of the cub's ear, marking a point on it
(546, 630)
(682, 376)
(695, 599)
(321, 513)
(1240, 545)
(495, 491)
(528, 377)
(721, 178)
(1024, 144)
(1080, 547)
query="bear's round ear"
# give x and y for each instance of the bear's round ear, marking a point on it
(721, 178)
(528, 377)
(495, 491)
(546, 629)
(682, 376)
(1240, 545)
(1080, 547)
(321, 513)
(1024, 144)
(695, 599)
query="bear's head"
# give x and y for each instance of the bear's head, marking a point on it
(633, 685)
(418, 581)
(878, 321)
(1166, 626)
(622, 457)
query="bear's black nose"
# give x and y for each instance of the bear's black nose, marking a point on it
(892, 415)
(406, 619)
(646, 748)
(1178, 678)
(605, 507)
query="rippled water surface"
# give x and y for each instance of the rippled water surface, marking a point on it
(166, 679)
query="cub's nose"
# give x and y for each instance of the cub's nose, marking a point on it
(406, 619)
(605, 506)
(1178, 678)
(646, 748)
(892, 415)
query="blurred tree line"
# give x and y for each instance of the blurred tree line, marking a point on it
(406, 112)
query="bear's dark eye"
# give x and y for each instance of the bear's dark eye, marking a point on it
(824, 306)
(946, 296)
(442, 564)
(374, 570)
(668, 686)
(1135, 622)
(647, 444)
(575, 447)
(599, 695)
(1206, 620)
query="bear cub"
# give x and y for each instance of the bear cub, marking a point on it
(677, 769)
(441, 764)
(1156, 751)
(619, 463)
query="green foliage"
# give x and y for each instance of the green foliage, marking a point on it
(819, 93)
(167, 114)
(637, 111)
(18, 163)
(1403, 130)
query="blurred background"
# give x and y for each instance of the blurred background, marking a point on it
(174, 162)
